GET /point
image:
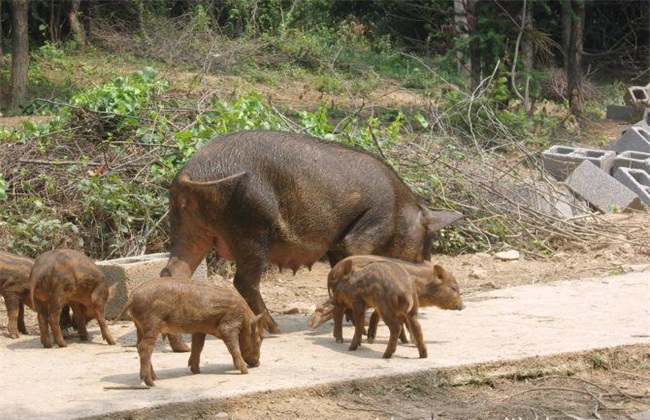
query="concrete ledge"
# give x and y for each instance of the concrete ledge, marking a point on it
(601, 190)
(560, 161)
(130, 272)
(636, 180)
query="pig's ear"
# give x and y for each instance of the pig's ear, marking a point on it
(439, 273)
(436, 220)
(257, 323)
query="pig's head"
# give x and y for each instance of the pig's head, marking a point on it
(441, 290)
(418, 230)
(250, 340)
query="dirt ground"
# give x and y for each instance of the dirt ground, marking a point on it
(608, 384)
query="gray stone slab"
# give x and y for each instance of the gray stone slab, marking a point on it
(560, 161)
(635, 138)
(601, 190)
(638, 96)
(636, 180)
(621, 113)
(631, 159)
(130, 272)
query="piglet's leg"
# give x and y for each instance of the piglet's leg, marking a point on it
(394, 325)
(359, 318)
(54, 314)
(145, 349)
(43, 325)
(79, 320)
(13, 315)
(177, 344)
(198, 340)
(21, 318)
(337, 316)
(372, 326)
(103, 326)
(231, 339)
(416, 334)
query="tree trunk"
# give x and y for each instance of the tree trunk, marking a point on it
(78, 32)
(19, 54)
(463, 61)
(566, 31)
(574, 59)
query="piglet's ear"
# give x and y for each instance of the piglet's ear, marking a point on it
(258, 320)
(436, 220)
(439, 272)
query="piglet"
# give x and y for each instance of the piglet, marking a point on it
(383, 285)
(67, 277)
(178, 305)
(14, 288)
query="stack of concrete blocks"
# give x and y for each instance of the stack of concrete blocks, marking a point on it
(127, 273)
(587, 174)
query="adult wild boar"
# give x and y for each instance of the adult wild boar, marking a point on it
(14, 288)
(178, 305)
(290, 199)
(66, 277)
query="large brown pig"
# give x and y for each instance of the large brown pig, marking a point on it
(291, 199)
(14, 288)
(383, 285)
(435, 287)
(178, 305)
(63, 277)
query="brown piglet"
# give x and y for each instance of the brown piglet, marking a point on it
(182, 306)
(435, 287)
(67, 277)
(14, 288)
(383, 285)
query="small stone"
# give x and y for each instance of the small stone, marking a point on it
(509, 255)
(488, 285)
(291, 311)
(221, 415)
(477, 273)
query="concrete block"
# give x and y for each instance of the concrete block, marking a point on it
(130, 272)
(631, 159)
(645, 120)
(601, 190)
(560, 161)
(636, 180)
(638, 96)
(635, 138)
(621, 113)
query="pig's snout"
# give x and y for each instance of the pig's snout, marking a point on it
(460, 306)
(253, 364)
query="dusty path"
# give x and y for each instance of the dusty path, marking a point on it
(536, 320)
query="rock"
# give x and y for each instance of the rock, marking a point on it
(488, 285)
(509, 255)
(477, 273)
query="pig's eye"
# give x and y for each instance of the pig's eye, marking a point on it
(454, 288)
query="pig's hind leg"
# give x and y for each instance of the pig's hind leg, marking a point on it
(145, 344)
(337, 316)
(14, 316)
(43, 325)
(79, 320)
(394, 324)
(359, 318)
(54, 316)
(198, 340)
(99, 308)
(416, 333)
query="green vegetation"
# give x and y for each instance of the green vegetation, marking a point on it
(125, 113)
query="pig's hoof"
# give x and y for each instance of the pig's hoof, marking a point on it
(424, 354)
(339, 340)
(180, 348)
(195, 369)
(371, 339)
(353, 347)
(83, 337)
(13, 335)
(63, 344)
(387, 355)
(149, 382)
(110, 341)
